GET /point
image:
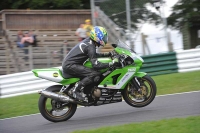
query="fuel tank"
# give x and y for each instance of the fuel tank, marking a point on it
(88, 63)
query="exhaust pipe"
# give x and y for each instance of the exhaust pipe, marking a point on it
(56, 96)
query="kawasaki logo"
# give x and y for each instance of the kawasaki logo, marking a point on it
(132, 70)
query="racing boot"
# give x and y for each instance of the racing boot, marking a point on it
(78, 91)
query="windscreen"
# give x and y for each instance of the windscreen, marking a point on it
(123, 45)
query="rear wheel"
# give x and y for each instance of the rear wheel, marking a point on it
(142, 97)
(53, 110)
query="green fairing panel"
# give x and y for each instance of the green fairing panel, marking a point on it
(35, 72)
(122, 51)
(102, 60)
(127, 52)
(128, 69)
(109, 80)
(69, 81)
(140, 74)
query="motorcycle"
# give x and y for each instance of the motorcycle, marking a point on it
(56, 103)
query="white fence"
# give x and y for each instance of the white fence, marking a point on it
(21, 83)
(188, 60)
(26, 82)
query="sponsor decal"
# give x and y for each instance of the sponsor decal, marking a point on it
(125, 77)
(55, 74)
(132, 69)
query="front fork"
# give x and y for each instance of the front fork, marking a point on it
(136, 84)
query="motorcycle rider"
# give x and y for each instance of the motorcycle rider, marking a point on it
(74, 60)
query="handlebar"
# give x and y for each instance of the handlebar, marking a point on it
(119, 57)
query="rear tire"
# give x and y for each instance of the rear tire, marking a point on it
(48, 111)
(135, 99)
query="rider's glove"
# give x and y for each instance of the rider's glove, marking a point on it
(112, 53)
(114, 63)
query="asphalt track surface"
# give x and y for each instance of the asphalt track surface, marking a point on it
(163, 107)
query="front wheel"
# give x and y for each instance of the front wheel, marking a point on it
(142, 97)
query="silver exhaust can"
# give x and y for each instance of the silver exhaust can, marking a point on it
(55, 96)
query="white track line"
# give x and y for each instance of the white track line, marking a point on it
(177, 93)
(123, 100)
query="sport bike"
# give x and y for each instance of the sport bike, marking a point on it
(56, 103)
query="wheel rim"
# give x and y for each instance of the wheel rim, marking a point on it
(141, 97)
(57, 109)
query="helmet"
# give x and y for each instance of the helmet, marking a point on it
(99, 35)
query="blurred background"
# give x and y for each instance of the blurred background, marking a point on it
(148, 26)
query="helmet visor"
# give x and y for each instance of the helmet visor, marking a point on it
(105, 39)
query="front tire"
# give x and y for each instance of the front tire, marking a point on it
(144, 97)
(53, 110)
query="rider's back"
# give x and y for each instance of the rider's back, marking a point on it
(79, 54)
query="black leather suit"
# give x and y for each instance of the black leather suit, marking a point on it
(74, 60)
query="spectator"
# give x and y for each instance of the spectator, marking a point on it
(25, 40)
(81, 32)
(88, 27)
(19, 38)
(34, 44)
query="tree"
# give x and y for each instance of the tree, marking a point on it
(116, 10)
(44, 4)
(185, 11)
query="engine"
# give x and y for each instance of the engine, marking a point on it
(106, 96)
(96, 93)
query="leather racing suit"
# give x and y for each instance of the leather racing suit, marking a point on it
(74, 60)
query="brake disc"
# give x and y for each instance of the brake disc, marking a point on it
(57, 105)
(140, 94)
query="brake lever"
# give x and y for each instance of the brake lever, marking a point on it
(121, 64)
(121, 59)
(113, 54)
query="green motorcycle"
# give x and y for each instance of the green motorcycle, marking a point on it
(137, 88)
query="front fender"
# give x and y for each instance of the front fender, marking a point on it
(140, 74)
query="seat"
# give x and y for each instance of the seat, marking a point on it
(66, 76)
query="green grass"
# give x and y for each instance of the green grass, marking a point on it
(166, 84)
(176, 125)
(19, 105)
(177, 82)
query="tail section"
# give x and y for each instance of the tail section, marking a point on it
(53, 74)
